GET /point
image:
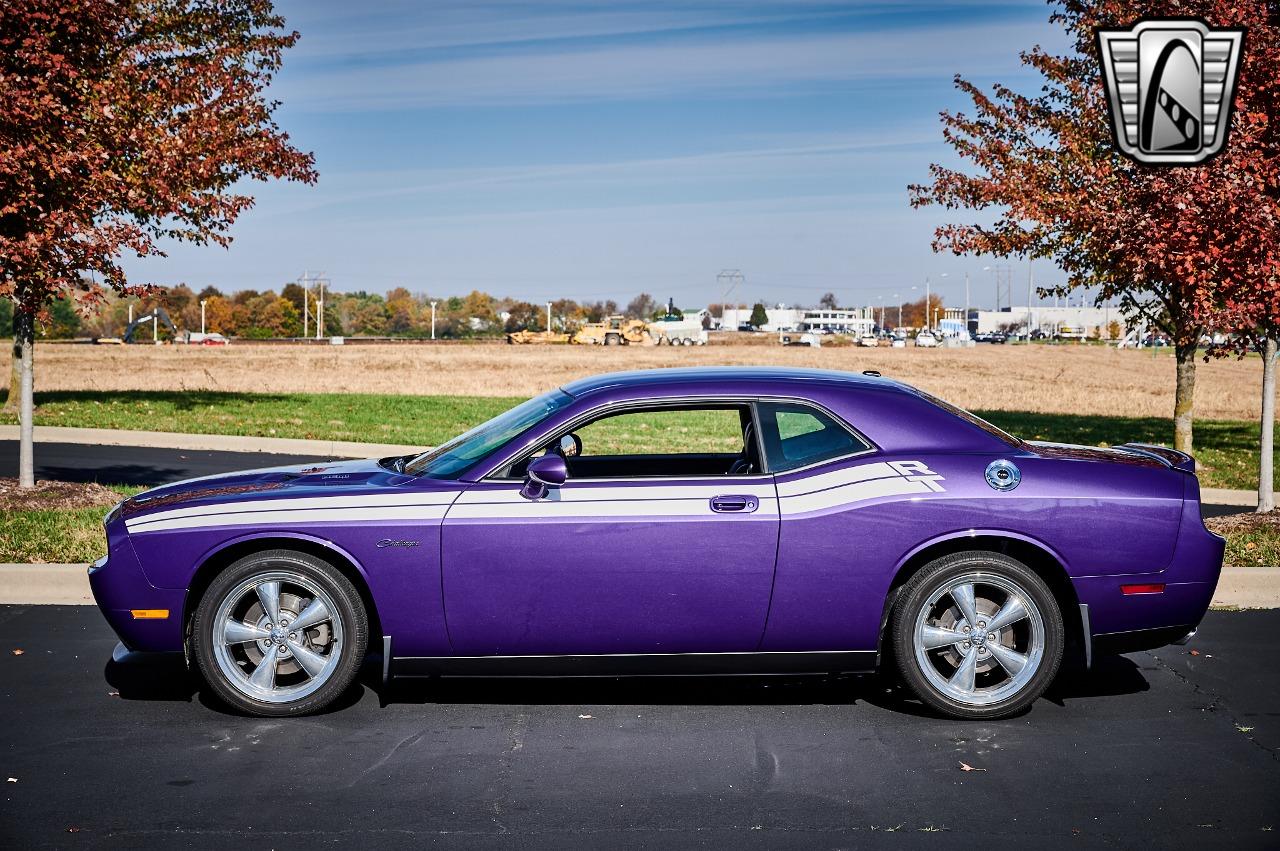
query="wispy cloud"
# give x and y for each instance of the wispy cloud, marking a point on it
(721, 67)
(337, 29)
(821, 160)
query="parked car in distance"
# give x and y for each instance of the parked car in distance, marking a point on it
(926, 340)
(210, 339)
(869, 340)
(869, 524)
(747, 328)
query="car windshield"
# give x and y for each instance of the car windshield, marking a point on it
(451, 459)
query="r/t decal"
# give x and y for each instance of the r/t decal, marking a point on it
(917, 471)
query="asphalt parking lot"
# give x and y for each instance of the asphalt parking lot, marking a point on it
(1177, 748)
(135, 465)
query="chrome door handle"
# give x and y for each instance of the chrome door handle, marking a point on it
(733, 504)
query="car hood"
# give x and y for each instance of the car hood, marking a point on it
(319, 479)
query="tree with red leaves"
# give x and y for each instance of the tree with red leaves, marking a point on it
(124, 123)
(1249, 316)
(1161, 240)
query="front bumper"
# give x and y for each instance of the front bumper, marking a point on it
(120, 588)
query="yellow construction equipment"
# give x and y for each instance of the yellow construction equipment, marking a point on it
(613, 331)
(526, 337)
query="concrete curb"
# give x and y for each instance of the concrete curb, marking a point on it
(1223, 496)
(211, 442)
(45, 584)
(68, 585)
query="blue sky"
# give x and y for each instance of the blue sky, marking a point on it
(596, 149)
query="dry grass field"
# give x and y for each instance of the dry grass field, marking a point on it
(1044, 379)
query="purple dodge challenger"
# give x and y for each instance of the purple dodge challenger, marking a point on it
(827, 522)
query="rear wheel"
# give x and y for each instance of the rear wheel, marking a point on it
(280, 633)
(977, 635)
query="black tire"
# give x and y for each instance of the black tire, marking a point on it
(916, 594)
(347, 606)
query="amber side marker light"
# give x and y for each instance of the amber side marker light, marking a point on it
(149, 614)
(1129, 590)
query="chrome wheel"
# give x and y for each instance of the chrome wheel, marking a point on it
(979, 638)
(277, 636)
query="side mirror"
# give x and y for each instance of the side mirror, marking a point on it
(545, 472)
(570, 445)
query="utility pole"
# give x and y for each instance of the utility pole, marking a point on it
(928, 309)
(155, 326)
(966, 302)
(202, 301)
(320, 309)
(305, 311)
(433, 319)
(548, 317)
(319, 279)
(1030, 285)
(728, 281)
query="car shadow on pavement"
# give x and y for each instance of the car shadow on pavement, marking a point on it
(162, 677)
(165, 678)
(1110, 676)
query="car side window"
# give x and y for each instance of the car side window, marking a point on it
(694, 440)
(669, 431)
(797, 435)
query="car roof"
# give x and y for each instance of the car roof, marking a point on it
(655, 378)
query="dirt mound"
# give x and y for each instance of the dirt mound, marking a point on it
(1246, 522)
(49, 495)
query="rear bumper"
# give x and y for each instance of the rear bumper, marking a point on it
(1124, 623)
(1142, 639)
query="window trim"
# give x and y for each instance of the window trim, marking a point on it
(587, 417)
(494, 472)
(836, 418)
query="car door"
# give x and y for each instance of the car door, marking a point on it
(661, 541)
(843, 505)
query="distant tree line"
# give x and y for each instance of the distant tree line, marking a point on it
(260, 315)
(252, 314)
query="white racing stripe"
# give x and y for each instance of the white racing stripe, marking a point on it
(619, 509)
(846, 495)
(825, 492)
(578, 491)
(836, 478)
(390, 500)
(250, 517)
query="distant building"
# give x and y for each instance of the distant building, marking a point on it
(1076, 322)
(854, 321)
(952, 322)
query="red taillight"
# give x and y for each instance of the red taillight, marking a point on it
(1152, 588)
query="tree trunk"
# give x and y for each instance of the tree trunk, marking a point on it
(1266, 457)
(1184, 398)
(15, 373)
(25, 327)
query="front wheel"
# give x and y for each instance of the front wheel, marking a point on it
(977, 635)
(280, 633)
